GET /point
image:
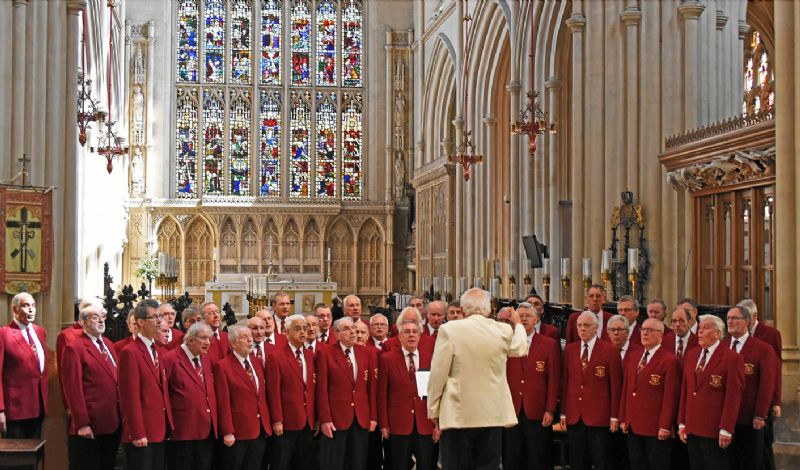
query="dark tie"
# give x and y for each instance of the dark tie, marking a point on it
(310, 348)
(347, 355)
(258, 351)
(735, 345)
(155, 354)
(298, 358)
(702, 364)
(680, 348)
(198, 368)
(643, 362)
(269, 340)
(412, 370)
(250, 373)
(283, 325)
(104, 351)
(31, 343)
(585, 357)
(324, 336)
(380, 345)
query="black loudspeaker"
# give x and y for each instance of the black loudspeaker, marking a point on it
(534, 250)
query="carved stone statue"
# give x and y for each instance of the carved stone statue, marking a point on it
(399, 176)
(399, 75)
(137, 173)
(138, 66)
(138, 115)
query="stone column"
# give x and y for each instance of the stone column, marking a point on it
(723, 89)
(743, 32)
(491, 177)
(690, 12)
(577, 24)
(388, 157)
(18, 80)
(151, 170)
(515, 239)
(632, 19)
(553, 237)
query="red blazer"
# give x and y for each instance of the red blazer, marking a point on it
(177, 340)
(534, 380)
(592, 395)
(385, 346)
(242, 411)
(636, 335)
(89, 385)
(219, 347)
(66, 336)
(399, 406)
(122, 344)
(710, 401)
(669, 340)
(760, 368)
(194, 400)
(143, 394)
(772, 337)
(341, 398)
(551, 331)
(572, 327)
(330, 338)
(650, 397)
(317, 347)
(426, 332)
(22, 383)
(267, 349)
(426, 343)
(290, 397)
(633, 354)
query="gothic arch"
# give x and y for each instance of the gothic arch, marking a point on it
(370, 256)
(341, 241)
(170, 240)
(199, 253)
(438, 106)
(311, 247)
(290, 245)
(228, 247)
(249, 247)
(269, 242)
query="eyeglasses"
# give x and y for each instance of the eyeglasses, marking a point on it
(586, 325)
(153, 317)
(651, 330)
(617, 330)
(380, 325)
(735, 318)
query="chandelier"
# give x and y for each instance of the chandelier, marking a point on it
(109, 143)
(87, 106)
(466, 154)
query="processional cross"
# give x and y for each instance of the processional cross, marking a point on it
(24, 235)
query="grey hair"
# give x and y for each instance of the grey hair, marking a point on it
(87, 301)
(617, 318)
(659, 302)
(435, 303)
(749, 305)
(628, 298)
(16, 299)
(528, 305)
(476, 301)
(140, 311)
(746, 314)
(234, 332)
(718, 323)
(376, 316)
(291, 319)
(351, 297)
(195, 330)
(89, 309)
(413, 311)
(589, 314)
(337, 324)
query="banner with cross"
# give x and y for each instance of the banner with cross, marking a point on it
(26, 239)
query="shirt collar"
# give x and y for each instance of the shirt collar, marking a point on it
(22, 326)
(712, 348)
(741, 340)
(294, 350)
(591, 342)
(147, 342)
(240, 358)
(189, 353)
(653, 351)
(91, 337)
(406, 352)
(341, 345)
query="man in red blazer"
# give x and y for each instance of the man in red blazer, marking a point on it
(325, 318)
(312, 334)
(66, 336)
(711, 394)
(760, 368)
(681, 339)
(534, 382)
(346, 402)
(595, 298)
(537, 302)
(290, 395)
(657, 309)
(772, 337)
(219, 339)
(241, 405)
(261, 347)
(618, 332)
(90, 390)
(426, 343)
(592, 384)
(379, 332)
(174, 335)
(194, 401)
(143, 394)
(282, 307)
(626, 306)
(649, 405)
(402, 414)
(434, 316)
(23, 380)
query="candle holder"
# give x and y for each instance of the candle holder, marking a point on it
(605, 278)
(527, 283)
(633, 277)
(565, 282)
(512, 285)
(546, 287)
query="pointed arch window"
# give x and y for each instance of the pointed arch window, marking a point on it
(759, 78)
(269, 99)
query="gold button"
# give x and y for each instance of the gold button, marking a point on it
(352, 404)
(579, 398)
(412, 410)
(694, 394)
(634, 393)
(522, 381)
(208, 411)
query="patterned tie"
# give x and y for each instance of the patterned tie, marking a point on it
(198, 368)
(155, 354)
(258, 352)
(104, 352)
(250, 373)
(31, 343)
(310, 348)
(412, 370)
(283, 325)
(347, 355)
(298, 358)
(702, 364)
(585, 357)
(735, 345)
(324, 336)
(643, 362)
(680, 348)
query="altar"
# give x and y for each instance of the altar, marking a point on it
(249, 293)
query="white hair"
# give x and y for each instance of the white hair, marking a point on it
(476, 301)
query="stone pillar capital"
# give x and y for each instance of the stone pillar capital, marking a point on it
(744, 29)
(513, 86)
(553, 83)
(631, 16)
(73, 6)
(691, 10)
(576, 23)
(722, 20)
(489, 121)
(458, 122)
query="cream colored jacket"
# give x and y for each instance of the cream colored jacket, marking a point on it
(467, 386)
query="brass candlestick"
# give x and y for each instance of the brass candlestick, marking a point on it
(565, 289)
(587, 283)
(605, 278)
(546, 287)
(633, 277)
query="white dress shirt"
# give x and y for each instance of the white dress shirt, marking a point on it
(352, 358)
(97, 346)
(241, 361)
(35, 338)
(302, 359)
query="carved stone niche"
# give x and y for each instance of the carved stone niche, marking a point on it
(735, 153)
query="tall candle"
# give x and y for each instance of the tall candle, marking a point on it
(477, 282)
(587, 267)
(448, 284)
(329, 253)
(546, 267)
(633, 260)
(605, 262)
(494, 288)
(437, 284)
(462, 285)
(566, 267)
(512, 268)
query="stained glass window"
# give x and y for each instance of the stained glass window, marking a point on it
(270, 143)
(352, 47)
(759, 78)
(188, 14)
(241, 14)
(271, 35)
(326, 43)
(240, 144)
(326, 145)
(186, 144)
(215, 40)
(301, 42)
(258, 118)
(213, 137)
(352, 142)
(299, 158)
